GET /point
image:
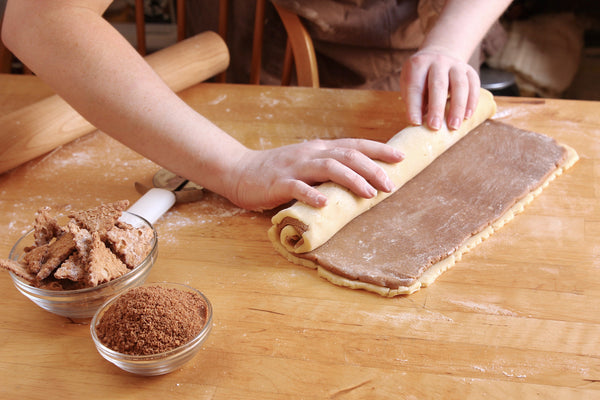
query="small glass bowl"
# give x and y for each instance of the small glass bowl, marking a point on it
(154, 364)
(81, 304)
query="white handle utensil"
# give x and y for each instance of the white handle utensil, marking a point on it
(153, 204)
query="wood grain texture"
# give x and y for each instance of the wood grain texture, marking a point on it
(515, 318)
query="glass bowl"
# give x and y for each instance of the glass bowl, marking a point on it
(83, 303)
(160, 363)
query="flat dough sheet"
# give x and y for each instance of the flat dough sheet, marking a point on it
(406, 241)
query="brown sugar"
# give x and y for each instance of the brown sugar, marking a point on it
(152, 319)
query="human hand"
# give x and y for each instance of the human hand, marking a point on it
(267, 178)
(426, 80)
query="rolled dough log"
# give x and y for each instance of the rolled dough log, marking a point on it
(302, 228)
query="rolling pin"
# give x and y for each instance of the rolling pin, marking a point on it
(47, 124)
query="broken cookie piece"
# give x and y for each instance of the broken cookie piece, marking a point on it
(102, 218)
(104, 265)
(92, 248)
(130, 244)
(18, 269)
(82, 238)
(34, 258)
(45, 227)
(72, 268)
(58, 251)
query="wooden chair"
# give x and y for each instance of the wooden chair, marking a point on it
(299, 53)
(300, 49)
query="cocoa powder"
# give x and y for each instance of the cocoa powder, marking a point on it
(152, 319)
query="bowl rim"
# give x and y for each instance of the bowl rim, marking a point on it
(60, 293)
(147, 358)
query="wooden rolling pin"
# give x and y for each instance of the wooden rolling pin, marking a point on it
(42, 126)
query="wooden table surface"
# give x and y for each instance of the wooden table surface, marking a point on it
(517, 317)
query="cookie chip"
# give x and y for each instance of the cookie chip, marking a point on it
(18, 269)
(45, 227)
(82, 238)
(58, 251)
(130, 244)
(104, 265)
(102, 218)
(93, 247)
(34, 258)
(72, 269)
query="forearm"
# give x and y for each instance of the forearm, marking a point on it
(95, 69)
(462, 24)
(69, 45)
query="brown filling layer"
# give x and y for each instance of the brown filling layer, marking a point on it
(466, 189)
(299, 226)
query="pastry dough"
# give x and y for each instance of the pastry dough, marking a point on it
(407, 241)
(305, 228)
(434, 256)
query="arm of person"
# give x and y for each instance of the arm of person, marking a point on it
(440, 67)
(85, 60)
